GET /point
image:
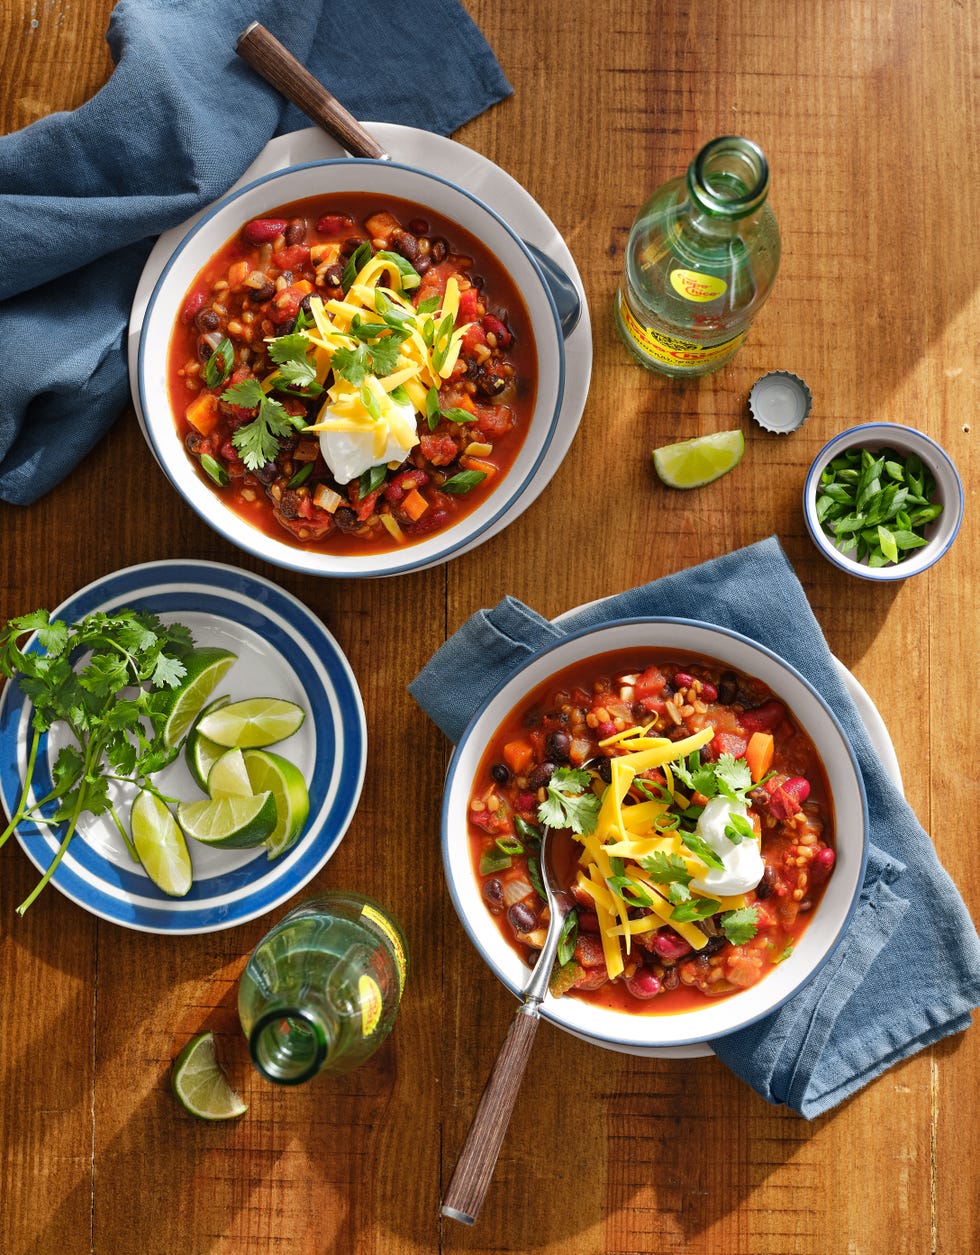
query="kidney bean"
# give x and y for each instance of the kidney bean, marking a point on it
(191, 307)
(708, 691)
(643, 984)
(605, 728)
(434, 518)
(682, 680)
(669, 945)
(588, 922)
(822, 864)
(493, 893)
(523, 918)
(333, 224)
(763, 718)
(493, 326)
(263, 230)
(540, 777)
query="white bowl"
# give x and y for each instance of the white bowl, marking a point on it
(620, 1030)
(347, 175)
(939, 534)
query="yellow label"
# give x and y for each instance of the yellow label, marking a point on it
(380, 921)
(693, 286)
(671, 350)
(370, 1004)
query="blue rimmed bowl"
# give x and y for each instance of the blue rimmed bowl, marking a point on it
(647, 1032)
(386, 179)
(939, 534)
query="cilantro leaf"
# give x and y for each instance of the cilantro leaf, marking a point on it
(258, 441)
(567, 804)
(741, 925)
(666, 869)
(695, 909)
(352, 364)
(632, 894)
(733, 776)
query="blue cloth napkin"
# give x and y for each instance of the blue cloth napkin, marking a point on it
(908, 970)
(84, 194)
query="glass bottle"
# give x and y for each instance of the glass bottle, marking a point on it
(321, 990)
(701, 259)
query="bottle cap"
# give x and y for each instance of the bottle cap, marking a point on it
(780, 401)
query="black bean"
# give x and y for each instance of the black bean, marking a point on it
(439, 250)
(296, 231)
(523, 918)
(332, 276)
(406, 245)
(418, 226)
(493, 893)
(727, 688)
(265, 293)
(206, 319)
(204, 349)
(540, 777)
(500, 772)
(558, 746)
(603, 770)
(766, 884)
(345, 518)
(267, 473)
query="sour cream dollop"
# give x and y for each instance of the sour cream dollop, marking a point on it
(351, 453)
(744, 865)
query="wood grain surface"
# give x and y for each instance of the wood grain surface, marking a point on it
(867, 112)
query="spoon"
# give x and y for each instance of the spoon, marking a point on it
(478, 1158)
(276, 64)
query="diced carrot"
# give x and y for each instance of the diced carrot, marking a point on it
(469, 463)
(758, 754)
(517, 755)
(202, 413)
(414, 505)
(381, 225)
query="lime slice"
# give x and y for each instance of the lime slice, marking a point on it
(228, 777)
(160, 844)
(201, 753)
(229, 822)
(180, 706)
(252, 723)
(285, 782)
(201, 1086)
(691, 463)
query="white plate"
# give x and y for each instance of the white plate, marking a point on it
(282, 650)
(474, 173)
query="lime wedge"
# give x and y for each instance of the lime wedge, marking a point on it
(179, 707)
(200, 753)
(691, 463)
(229, 778)
(160, 844)
(231, 822)
(201, 1086)
(252, 723)
(284, 780)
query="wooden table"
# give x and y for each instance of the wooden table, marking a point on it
(867, 112)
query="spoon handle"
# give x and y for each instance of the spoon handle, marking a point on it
(478, 1158)
(265, 54)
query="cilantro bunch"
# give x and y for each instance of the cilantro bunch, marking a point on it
(101, 678)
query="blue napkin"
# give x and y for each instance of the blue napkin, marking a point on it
(908, 970)
(84, 194)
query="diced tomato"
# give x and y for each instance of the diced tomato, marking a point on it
(494, 420)
(650, 683)
(439, 448)
(468, 302)
(294, 257)
(728, 743)
(474, 338)
(589, 952)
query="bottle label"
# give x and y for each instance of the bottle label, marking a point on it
(693, 286)
(672, 350)
(380, 921)
(371, 1004)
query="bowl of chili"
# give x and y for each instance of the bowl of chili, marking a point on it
(883, 501)
(351, 368)
(708, 821)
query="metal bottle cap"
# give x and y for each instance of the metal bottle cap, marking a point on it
(780, 401)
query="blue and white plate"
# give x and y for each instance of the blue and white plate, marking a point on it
(282, 650)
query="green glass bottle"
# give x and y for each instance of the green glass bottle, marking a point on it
(701, 259)
(321, 990)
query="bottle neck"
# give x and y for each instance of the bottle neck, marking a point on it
(290, 1044)
(729, 179)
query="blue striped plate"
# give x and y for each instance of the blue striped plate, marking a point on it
(283, 650)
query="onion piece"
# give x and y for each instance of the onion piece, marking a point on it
(516, 891)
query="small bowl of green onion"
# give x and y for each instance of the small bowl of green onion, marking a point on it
(882, 501)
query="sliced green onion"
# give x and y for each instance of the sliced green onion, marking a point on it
(214, 470)
(464, 481)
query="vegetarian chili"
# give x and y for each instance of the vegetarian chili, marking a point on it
(350, 376)
(691, 821)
